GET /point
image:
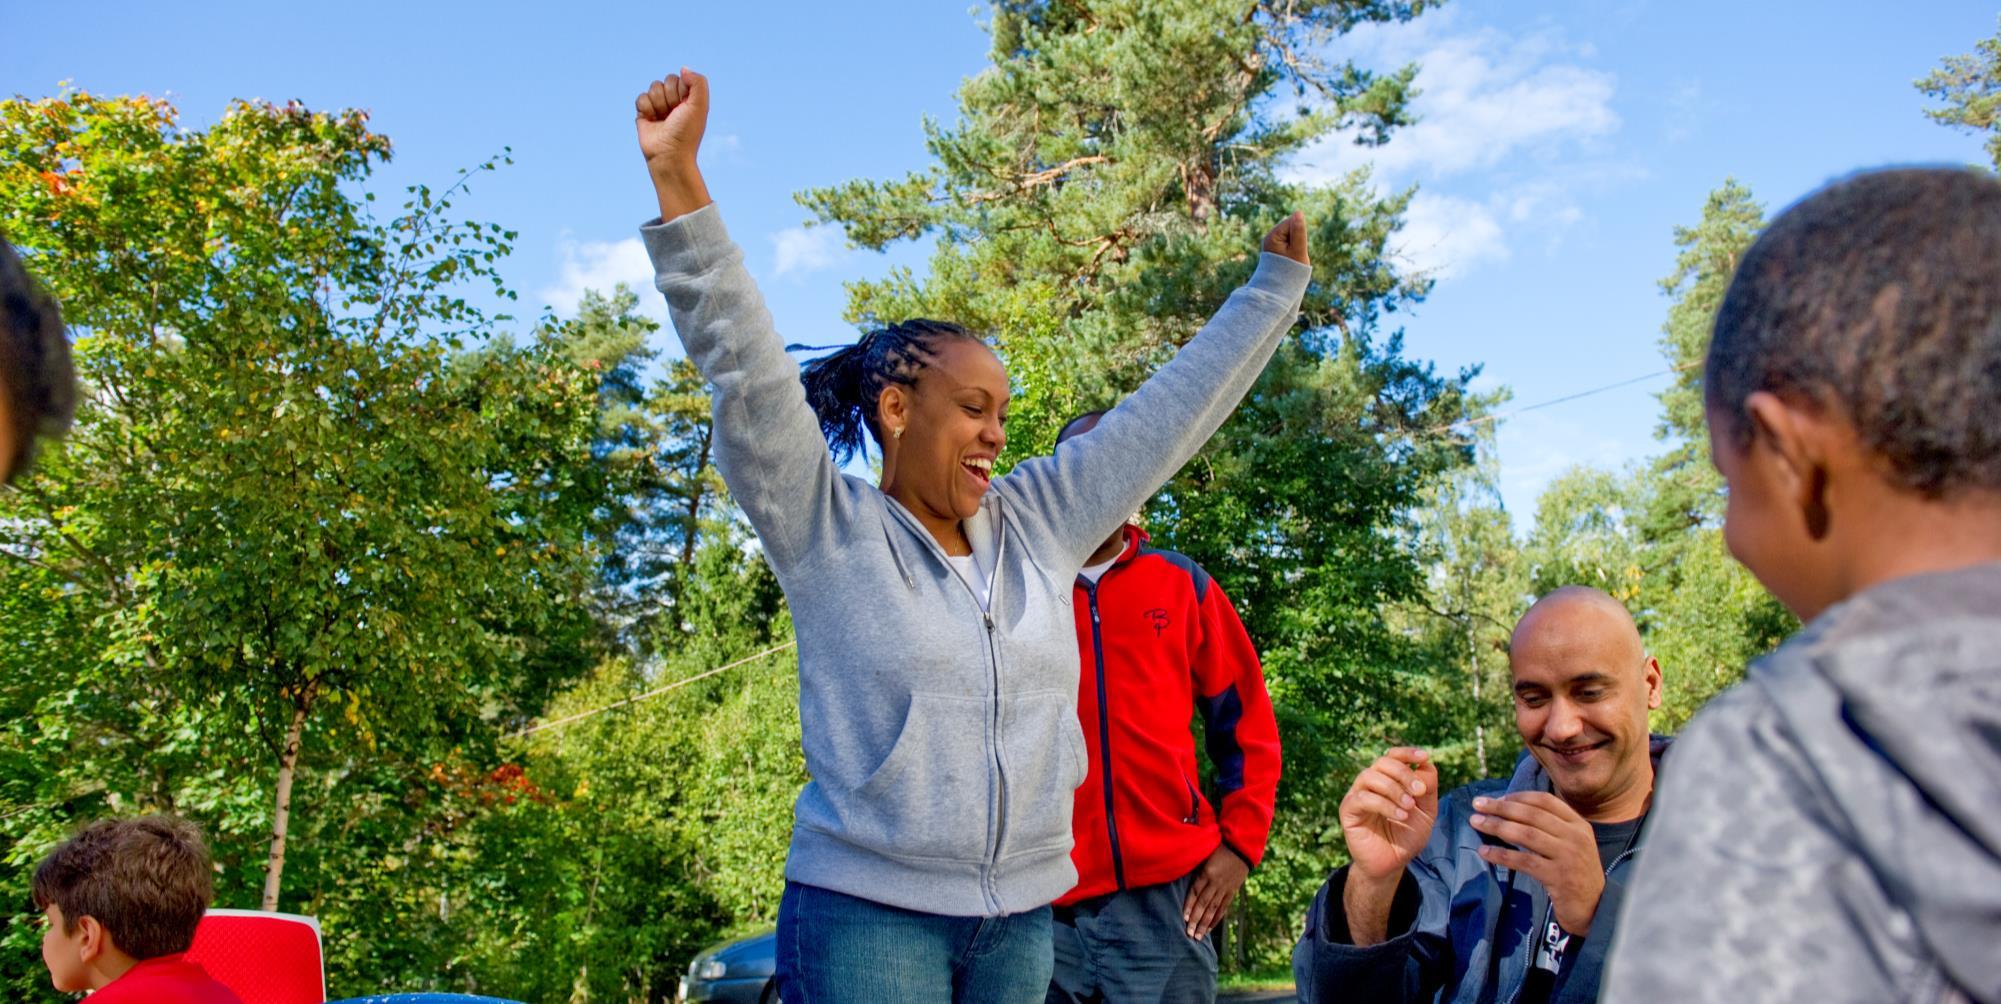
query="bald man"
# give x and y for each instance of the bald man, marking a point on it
(1510, 892)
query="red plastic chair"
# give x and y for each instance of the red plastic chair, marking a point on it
(266, 958)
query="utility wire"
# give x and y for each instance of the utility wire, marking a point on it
(655, 692)
(1470, 423)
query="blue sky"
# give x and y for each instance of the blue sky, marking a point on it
(1561, 142)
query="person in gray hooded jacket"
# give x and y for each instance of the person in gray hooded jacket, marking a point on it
(1830, 829)
(938, 662)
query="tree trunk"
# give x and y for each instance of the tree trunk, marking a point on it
(1198, 181)
(1479, 723)
(288, 762)
(689, 531)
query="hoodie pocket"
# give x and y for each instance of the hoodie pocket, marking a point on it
(1043, 750)
(928, 798)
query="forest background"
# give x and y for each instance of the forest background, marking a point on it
(441, 623)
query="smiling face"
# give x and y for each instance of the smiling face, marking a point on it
(954, 425)
(1583, 684)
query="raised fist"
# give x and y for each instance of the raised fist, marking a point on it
(1289, 239)
(672, 112)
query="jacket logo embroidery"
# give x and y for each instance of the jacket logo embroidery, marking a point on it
(1158, 618)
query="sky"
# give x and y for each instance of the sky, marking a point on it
(1558, 145)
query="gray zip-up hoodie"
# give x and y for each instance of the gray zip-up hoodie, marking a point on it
(942, 740)
(1831, 830)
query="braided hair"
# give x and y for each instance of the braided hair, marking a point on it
(843, 387)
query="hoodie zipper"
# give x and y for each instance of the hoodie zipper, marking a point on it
(1105, 735)
(989, 887)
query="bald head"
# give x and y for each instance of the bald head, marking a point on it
(1583, 685)
(1578, 616)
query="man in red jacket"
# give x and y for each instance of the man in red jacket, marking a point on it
(1157, 865)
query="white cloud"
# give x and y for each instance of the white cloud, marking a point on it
(1484, 97)
(1507, 136)
(1444, 236)
(600, 265)
(807, 249)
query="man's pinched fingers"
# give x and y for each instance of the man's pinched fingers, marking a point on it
(1522, 861)
(1408, 768)
(1552, 816)
(1389, 785)
(1523, 835)
(1369, 803)
(1546, 802)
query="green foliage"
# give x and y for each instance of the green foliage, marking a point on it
(1460, 707)
(657, 826)
(295, 523)
(1970, 88)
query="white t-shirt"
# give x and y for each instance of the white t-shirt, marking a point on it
(975, 575)
(1094, 572)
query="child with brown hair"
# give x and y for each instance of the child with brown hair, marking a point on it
(122, 899)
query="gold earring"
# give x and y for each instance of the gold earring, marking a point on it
(896, 433)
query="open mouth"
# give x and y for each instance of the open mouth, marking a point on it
(980, 469)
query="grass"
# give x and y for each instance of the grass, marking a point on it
(1267, 978)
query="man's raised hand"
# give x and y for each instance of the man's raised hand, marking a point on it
(1386, 818)
(670, 115)
(1386, 815)
(1289, 238)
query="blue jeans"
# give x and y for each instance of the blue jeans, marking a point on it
(837, 949)
(1132, 946)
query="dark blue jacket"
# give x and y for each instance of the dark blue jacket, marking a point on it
(1462, 930)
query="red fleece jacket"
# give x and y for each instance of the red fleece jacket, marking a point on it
(1159, 640)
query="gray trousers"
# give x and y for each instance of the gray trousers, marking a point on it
(1131, 947)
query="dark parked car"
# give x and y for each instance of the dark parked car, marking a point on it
(734, 972)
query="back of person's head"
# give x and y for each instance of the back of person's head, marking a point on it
(146, 880)
(1877, 299)
(35, 376)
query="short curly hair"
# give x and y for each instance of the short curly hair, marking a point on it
(146, 880)
(35, 368)
(1877, 297)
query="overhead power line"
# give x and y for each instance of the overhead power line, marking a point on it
(655, 692)
(1489, 419)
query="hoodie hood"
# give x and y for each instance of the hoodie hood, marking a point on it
(1907, 745)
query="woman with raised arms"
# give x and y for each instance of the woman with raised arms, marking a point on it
(937, 650)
